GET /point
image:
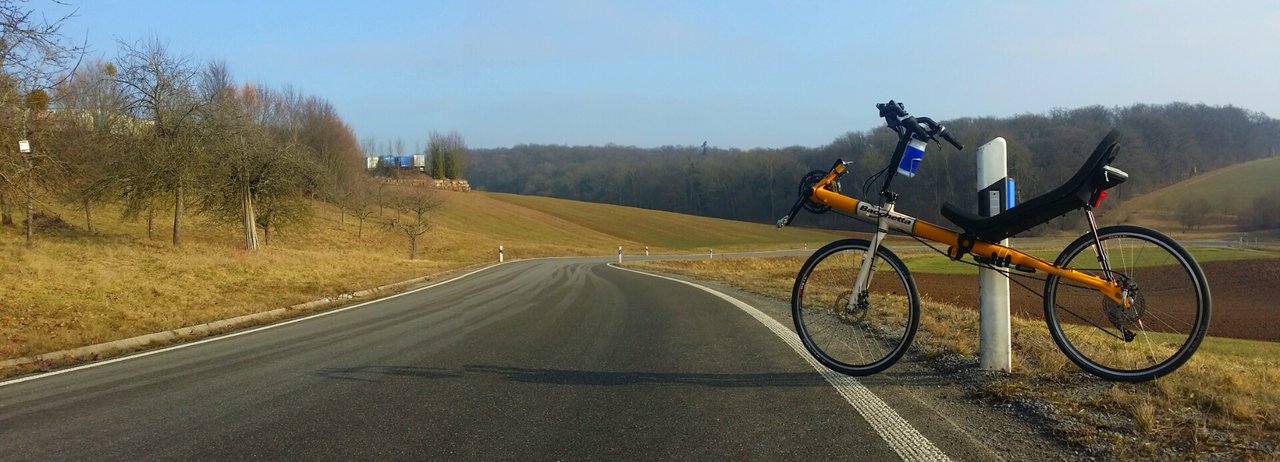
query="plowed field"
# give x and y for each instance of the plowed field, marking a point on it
(1246, 296)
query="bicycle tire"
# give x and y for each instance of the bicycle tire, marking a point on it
(854, 340)
(1160, 332)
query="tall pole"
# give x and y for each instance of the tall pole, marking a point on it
(24, 147)
(994, 348)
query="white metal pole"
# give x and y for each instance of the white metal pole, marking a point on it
(619, 254)
(993, 285)
(500, 256)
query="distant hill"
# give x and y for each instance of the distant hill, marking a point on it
(1162, 144)
(529, 225)
(1228, 192)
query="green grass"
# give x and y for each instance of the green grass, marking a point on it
(1230, 189)
(1240, 348)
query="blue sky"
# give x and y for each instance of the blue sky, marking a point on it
(736, 74)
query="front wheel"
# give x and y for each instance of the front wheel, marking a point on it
(851, 331)
(1159, 331)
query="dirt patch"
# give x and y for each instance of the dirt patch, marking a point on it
(1245, 295)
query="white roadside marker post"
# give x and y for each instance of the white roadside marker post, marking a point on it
(994, 349)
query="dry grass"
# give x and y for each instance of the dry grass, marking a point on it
(76, 288)
(1223, 403)
(79, 289)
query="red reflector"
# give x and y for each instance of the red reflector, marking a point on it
(1101, 195)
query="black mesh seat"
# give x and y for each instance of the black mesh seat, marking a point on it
(1074, 194)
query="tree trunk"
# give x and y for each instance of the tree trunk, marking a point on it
(266, 233)
(177, 217)
(88, 217)
(250, 221)
(6, 209)
(151, 223)
(413, 247)
(31, 222)
(360, 230)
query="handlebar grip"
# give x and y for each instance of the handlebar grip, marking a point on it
(947, 136)
(891, 108)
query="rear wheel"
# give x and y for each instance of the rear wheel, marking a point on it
(855, 333)
(1159, 331)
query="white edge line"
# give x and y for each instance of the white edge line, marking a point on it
(896, 431)
(237, 334)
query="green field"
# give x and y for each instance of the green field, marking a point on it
(1230, 190)
(666, 229)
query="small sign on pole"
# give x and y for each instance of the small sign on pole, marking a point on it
(24, 146)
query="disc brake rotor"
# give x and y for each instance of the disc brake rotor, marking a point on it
(1125, 318)
(846, 312)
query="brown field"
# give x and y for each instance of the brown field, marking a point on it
(1245, 294)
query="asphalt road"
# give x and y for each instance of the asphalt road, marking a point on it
(532, 360)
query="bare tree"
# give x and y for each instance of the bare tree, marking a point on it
(160, 89)
(1193, 212)
(360, 204)
(91, 126)
(34, 56)
(417, 203)
(256, 171)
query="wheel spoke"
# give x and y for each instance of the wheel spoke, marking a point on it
(1169, 308)
(838, 327)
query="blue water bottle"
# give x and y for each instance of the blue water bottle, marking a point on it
(911, 158)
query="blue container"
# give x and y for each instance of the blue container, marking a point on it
(405, 161)
(389, 161)
(911, 158)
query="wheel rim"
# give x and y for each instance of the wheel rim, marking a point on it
(849, 330)
(1152, 336)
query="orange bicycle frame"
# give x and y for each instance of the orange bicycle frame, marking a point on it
(889, 219)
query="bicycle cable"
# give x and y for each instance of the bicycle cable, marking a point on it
(1007, 274)
(866, 184)
(1010, 277)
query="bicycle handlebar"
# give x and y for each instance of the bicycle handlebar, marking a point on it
(925, 129)
(896, 117)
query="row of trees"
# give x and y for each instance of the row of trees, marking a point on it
(446, 155)
(156, 133)
(1162, 144)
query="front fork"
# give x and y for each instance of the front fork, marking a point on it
(1126, 292)
(867, 269)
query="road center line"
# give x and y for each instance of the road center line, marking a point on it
(896, 431)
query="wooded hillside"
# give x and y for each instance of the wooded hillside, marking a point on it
(1162, 144)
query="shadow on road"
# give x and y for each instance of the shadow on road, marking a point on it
(600, 378)
(371, 373)
(577, 377)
